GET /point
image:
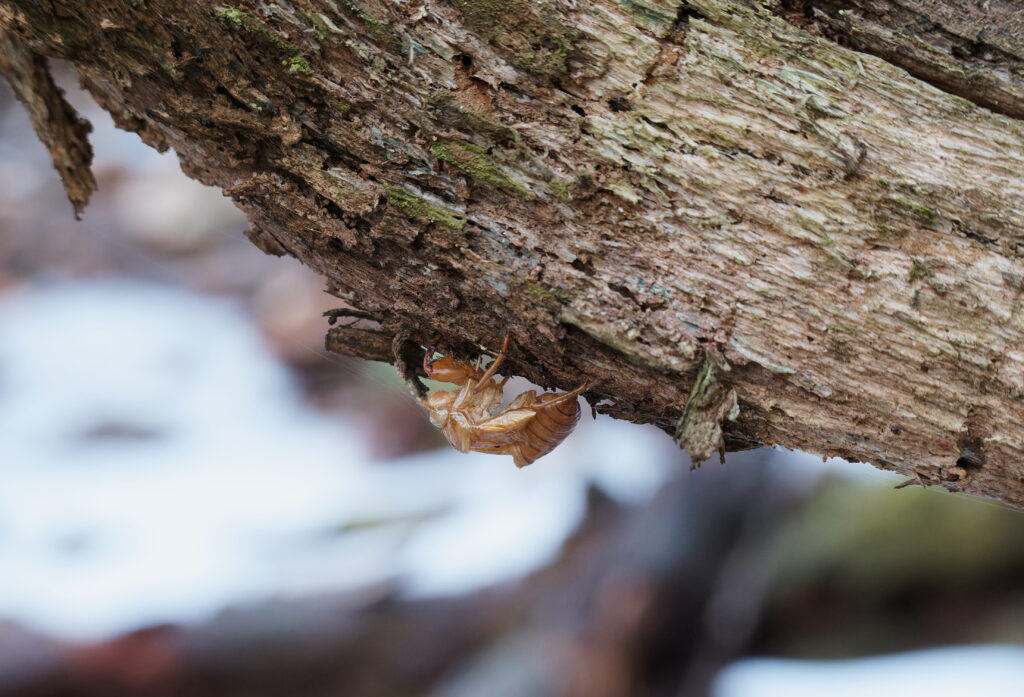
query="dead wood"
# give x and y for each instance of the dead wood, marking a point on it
(629, 188)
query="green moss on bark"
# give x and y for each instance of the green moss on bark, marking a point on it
(541, 294)
(919, 269)
(475, 162)
(561, 190)
(379, 28)
(423, 211)
(290, 55)
(530, 34)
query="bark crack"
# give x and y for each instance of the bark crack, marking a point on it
(973, 50)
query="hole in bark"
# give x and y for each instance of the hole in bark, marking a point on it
(961, 229)
(464, 60)
(795, 10)
(656, 124)
(620, 104)
(685, 14)
(510, 88)
(801, 13)
(624, 292)
(578, 109)
(972, 454)
(969, 49)
(334, 209)
(585, 266)
(896, 430)
(177, 48)
(970, 459)
(682, 23)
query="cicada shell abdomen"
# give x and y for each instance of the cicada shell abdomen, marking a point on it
(556, 417)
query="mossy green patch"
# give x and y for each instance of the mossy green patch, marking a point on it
(233, 14)
(423, 211)
(323, 27)
(298, 64)
(561, 190)
(903, 199)
(378, 28)
(291, 56)
(440, 98)
(530, 34)
(699, 430)
(919, 269)
(475, 162)
(540, 293)
(921, 212)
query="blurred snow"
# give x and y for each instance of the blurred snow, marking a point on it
(993, 671)
(159, 464)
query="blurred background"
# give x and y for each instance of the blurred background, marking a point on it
(197, 499)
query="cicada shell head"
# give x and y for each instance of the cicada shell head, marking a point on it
(447, 369)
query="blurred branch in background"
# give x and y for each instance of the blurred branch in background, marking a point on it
(654, 600)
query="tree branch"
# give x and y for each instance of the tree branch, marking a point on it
(624, 187)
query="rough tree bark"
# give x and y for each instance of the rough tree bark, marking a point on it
(741, 228)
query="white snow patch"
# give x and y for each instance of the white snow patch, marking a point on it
(158, 464)
(993, 671)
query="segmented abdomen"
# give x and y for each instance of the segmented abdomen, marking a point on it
(557, 415)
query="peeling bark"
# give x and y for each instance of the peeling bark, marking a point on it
(709, 407)
(64, 133)
(624, 186)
